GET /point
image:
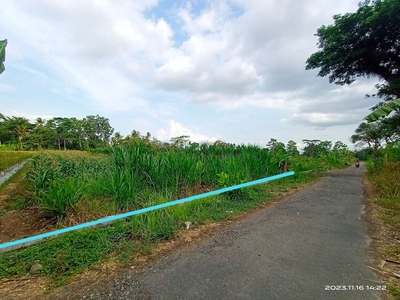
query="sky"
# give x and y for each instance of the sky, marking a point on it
(227, 70)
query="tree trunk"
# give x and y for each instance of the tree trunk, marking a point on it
(20, 142)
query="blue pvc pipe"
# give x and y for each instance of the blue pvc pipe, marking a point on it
(143, 210)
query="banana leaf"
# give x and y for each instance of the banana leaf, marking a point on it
(383, 111)
(3, 45)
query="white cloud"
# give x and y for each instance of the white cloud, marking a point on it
(92, 46)
(176, 129)
(323, 119)
(239, 57)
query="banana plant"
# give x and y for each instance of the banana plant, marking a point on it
(383, 111)
(3, 45)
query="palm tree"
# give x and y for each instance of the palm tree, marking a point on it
(40, 122)
(21, 130)
(20, 127)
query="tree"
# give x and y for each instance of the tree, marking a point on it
(181, 141)
(368, 133)
(17, 126)
(324, 147)
(291, 148)
(340, 147)
(40, 122)
(97, 131)
(77, 133)
(276, 147)
(364, 43)
(116, 139)
(5, 133)
(41, 137)
(310, 148)
(3, 45)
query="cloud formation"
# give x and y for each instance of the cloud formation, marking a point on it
(153, 59)
(175, 129)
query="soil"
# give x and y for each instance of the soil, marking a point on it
(5, 194)
(18, 224)
(23, 223)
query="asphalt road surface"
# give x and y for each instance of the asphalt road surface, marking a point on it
(302, 247)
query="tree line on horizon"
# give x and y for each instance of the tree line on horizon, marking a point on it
(56, 133)
(95, 132)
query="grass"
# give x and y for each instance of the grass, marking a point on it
(73, 252)
(394, 289)
(10, 158)
(78, 187)
(385, 178)
(60, 182)
(14, 192)
(386, 183)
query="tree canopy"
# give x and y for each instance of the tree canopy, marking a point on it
(57, 133)
(364, 43)
(375, 135)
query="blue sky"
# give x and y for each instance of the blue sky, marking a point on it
(229, 70)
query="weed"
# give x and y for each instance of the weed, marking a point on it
(393, 250)
(394, 289)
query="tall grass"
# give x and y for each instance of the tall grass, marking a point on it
(132, 176)
(135, 177)
(58, 182)
(387, 180)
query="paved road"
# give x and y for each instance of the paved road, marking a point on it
(290, 250)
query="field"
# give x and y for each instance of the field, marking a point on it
(10, 158)
(68, 188)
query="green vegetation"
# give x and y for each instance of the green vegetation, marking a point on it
(383, 110)
(386, 180)
(71, 253)
(362, 44)
(57, 133)
(131, 177)
(3, 45)
(75, 185)
(10, 158)
(394, 289)
(384, 174)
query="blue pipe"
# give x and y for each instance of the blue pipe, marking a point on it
(140, 211)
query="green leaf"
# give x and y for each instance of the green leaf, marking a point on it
(383, 111)
(3, 45)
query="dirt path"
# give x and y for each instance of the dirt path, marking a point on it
(299, 248)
